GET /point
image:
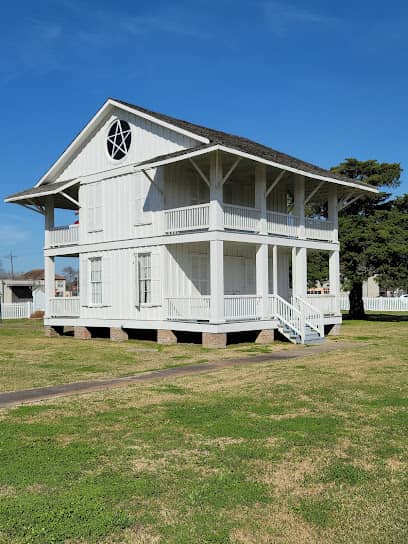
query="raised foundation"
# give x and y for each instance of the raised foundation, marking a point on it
(83, 333)
(214, 339)
(266, 336)
(334, 330)
(166, 337)
(118, 335)
(53, 331)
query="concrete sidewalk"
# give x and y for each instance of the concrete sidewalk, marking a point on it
(42, 393)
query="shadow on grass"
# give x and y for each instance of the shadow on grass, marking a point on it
(381, 317)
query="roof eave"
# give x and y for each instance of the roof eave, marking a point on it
(218, 147)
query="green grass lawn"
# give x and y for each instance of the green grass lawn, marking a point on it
(29, 359)
(311, 450)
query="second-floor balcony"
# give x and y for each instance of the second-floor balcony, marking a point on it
(67, 235)
(246, 219)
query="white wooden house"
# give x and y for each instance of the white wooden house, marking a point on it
(185, 228)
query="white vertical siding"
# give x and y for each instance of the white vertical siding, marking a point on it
(148, 140)
(118, 199)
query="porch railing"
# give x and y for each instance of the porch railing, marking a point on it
(287, 314)
(188, 308)
(187, 218)
(238, 307)
(318, 229)
(62, 236)
(64, 307)
(327, 304)
(241, 218)
(311, 315)
(284, 224)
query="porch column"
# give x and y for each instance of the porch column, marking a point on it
(299, 207)
(334, 273)
(49, 282)
(262, 279)
(216, 198)
(217, 281)
(332, 210)
(260, 196)
(275, 269)
(299, 271)
(49, 217)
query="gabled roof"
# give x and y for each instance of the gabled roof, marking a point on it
(206, 138)
(242, 144)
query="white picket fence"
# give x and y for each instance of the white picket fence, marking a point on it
(379, 304)
(16, 310)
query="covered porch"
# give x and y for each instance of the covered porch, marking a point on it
(220, 191)
(220, 282)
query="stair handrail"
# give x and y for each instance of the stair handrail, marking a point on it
(313, 316)
(296, 319)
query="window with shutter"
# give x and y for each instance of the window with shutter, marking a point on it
(95, 281)
(144, 278)
(95, 208)
(141, 215)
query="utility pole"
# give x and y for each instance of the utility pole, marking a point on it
(11, 258)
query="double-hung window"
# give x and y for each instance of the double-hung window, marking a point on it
(144, 278)
(96, 280)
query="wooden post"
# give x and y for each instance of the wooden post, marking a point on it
(334, 275)
(216, 197)
(49, 218)
(275, 269)
(260, 196)
(299, 207)
(299, 271)
(217, 281)
(262, 280)
(49, 282)
(332, 209)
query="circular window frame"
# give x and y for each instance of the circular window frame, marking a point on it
(108, 155)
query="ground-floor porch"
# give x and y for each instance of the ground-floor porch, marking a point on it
(200, 286)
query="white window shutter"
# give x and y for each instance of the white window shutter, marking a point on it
(156, 279)
(91, 209)
(107, 280)
(136, 280)
(142, 188)
(83, 281)
(98, 206)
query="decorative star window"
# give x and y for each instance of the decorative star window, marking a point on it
(119, 139)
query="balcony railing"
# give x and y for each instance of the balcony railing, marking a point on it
(318, 229)
(62, 236)
(283, 224)
(241, 218)
(64, 307)
(187, 218)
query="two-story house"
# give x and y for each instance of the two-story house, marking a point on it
(183, 228)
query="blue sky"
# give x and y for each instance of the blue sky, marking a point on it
(319, 80)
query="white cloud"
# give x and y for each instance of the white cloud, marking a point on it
(281, 17)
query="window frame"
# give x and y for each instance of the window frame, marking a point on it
(92, 282)
(148, 280)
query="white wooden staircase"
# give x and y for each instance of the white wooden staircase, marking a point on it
(299, 321)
